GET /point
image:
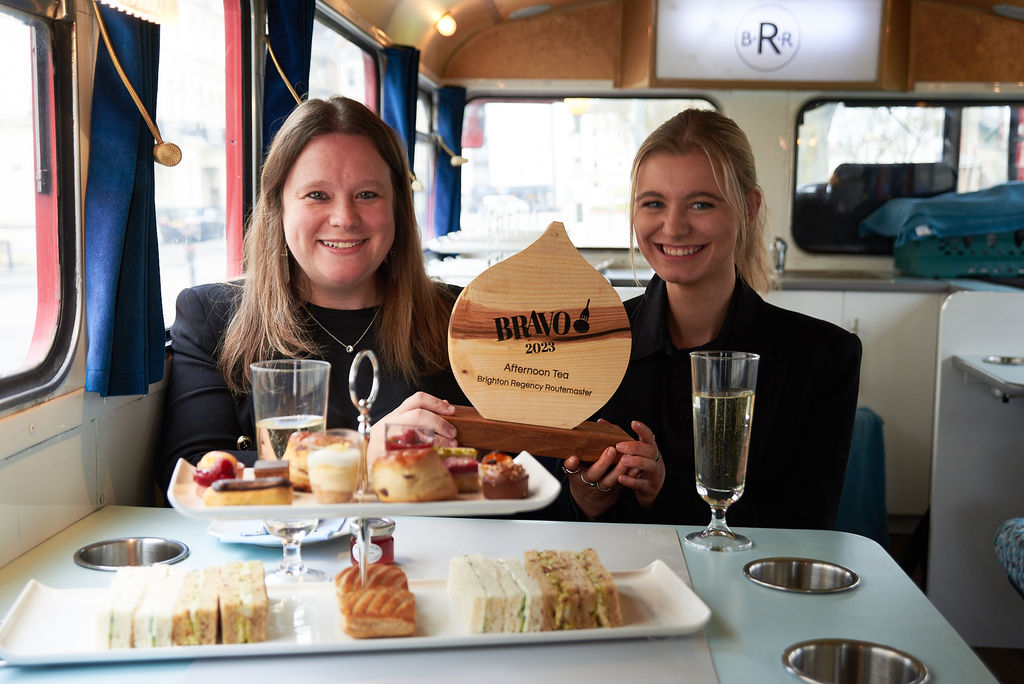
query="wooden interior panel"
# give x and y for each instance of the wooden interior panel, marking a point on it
(578, 44)
(636, 52)
(954, 43)
(894, 51)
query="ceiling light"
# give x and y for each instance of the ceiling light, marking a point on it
(446, 24)
(578, 106)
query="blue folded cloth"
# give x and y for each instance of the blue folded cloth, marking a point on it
(994, 210)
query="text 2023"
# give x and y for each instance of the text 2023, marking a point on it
(539, 347)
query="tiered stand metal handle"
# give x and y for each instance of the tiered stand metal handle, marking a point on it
(363, 483)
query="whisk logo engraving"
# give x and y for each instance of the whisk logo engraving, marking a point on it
(542, 324)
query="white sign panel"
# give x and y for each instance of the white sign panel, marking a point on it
(754, 40)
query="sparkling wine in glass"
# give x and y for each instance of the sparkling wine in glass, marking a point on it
(289, 395)
(723, 408)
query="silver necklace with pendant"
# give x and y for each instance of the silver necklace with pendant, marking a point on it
(347, 347)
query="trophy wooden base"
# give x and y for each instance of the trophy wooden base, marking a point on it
(585, 441)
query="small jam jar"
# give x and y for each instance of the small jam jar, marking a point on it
(382, 541)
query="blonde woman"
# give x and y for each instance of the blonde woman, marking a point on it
(333, 265)
(697, 217)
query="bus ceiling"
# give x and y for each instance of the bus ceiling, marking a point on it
(596, 39)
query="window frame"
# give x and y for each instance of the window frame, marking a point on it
(337, 22)
(876, 245)
(483, 97)
(427, 138)
(62, 241)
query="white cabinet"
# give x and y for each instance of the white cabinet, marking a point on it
(898, 331)
(977, 472)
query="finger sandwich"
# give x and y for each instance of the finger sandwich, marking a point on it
(548, 590)
(243, 602)
(585, 591)
(197, 608)
(487, 596)
(156, 605)
(153, 619)
(114, 618)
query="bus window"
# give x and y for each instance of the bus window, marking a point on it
(531, 162)
(985, 148)
(423, 163)
(852, 156)
(191, 198)
(338, 65)
(36, 225)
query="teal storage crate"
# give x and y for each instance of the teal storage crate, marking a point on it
(993, 254)
(956, 235)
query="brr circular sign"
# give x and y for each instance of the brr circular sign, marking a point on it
(767, 37)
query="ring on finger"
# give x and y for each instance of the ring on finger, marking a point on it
(587, 482)
(571, 472)
(601, 489)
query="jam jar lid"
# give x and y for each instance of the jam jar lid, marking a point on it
(379, 527)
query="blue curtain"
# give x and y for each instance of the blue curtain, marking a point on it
(124, 318)
(401, 76)
(448, 182)
(290, 30)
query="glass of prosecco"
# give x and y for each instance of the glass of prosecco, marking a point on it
(723, 407)
(289, 395)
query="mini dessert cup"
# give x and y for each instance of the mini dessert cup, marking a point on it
(334, 466)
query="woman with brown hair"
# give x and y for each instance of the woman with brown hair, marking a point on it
(697, 216)
(333, 265)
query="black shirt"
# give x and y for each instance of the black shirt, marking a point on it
(201, 414)
(804, 407)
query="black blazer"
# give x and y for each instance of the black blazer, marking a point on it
(804, 407)
(201, 414)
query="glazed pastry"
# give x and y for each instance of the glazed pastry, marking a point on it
(377, 575)
(378, 612)
(264, 491)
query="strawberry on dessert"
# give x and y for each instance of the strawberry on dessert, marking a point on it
(213, 466)
(408, 438)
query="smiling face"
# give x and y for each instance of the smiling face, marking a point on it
(684, 227)
(338, 213)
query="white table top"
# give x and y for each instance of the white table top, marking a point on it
(750, 625)
(1005, 379)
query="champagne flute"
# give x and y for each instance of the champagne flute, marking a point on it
(723, 407)
(289, 395)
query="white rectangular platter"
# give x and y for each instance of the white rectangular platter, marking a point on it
(47, 626)
(543, 489)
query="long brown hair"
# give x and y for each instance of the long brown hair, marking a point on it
(270, 320)
(732, 160)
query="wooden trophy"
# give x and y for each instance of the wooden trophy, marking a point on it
(539, 342)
